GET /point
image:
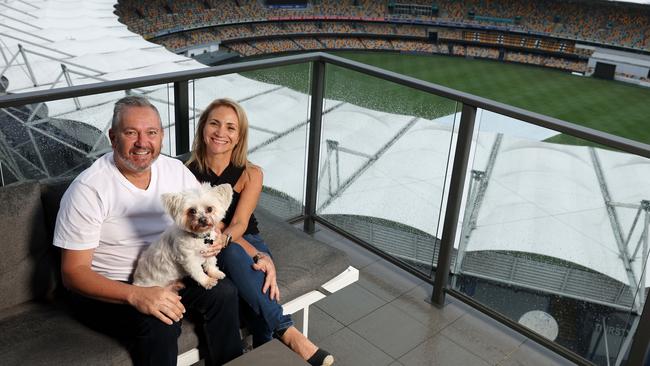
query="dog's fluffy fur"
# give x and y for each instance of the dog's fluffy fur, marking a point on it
(177, 253)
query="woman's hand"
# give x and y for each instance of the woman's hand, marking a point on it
(216, 246)
(265, 264)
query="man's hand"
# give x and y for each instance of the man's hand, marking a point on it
(266, 265)
(163, 303)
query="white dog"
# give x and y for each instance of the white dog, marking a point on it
(177, 253)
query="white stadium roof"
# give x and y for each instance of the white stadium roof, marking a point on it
(541, 198)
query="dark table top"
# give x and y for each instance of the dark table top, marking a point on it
(271, 353)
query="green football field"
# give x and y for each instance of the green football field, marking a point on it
(615, 107)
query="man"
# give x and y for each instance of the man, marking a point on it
(110, 213)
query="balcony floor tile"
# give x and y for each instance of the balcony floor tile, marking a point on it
(391, 330)
(440, 350)
(532, 354)
(350, 303)
(326, 324)
(351, 349)
(483, 336)
(416, 304)
(386, 280)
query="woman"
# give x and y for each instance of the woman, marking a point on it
(219, 155)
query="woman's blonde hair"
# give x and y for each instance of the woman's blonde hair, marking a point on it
(239, 156)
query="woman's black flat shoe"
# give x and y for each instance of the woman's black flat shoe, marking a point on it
(321, 358)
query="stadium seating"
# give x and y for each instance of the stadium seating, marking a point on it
(600, 22)
(542, 33)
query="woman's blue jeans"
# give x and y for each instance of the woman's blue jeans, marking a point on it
(262, 315)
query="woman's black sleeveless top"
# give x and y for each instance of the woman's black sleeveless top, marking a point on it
(230, 175)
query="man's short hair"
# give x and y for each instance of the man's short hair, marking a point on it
(131, 101)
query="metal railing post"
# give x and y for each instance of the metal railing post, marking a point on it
(452, 211)
(313, 148)
(640, 350)
(182, 116)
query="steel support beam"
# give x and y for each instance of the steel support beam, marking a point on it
(68, 80)
(29, 67)
(624, 255)
(475, 200)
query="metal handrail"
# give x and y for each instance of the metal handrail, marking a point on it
(14, 100)
(587, 133)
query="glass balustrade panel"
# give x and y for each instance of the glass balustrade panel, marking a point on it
(554, 235)
(384, 162)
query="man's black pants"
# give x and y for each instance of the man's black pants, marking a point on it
(152, 342)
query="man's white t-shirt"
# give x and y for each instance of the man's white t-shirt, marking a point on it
(102, 210)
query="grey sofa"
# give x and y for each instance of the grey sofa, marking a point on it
(36, 327)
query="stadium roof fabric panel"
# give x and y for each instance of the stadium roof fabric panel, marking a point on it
(84, 35)
(544, 198)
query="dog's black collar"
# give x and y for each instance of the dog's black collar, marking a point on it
(207, 239)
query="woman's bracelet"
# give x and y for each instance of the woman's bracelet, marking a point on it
(228, 240)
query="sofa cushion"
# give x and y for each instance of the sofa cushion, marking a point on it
(303, 263)
(47, 334)
(51, 192)
(26, 262)
(43, 334)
